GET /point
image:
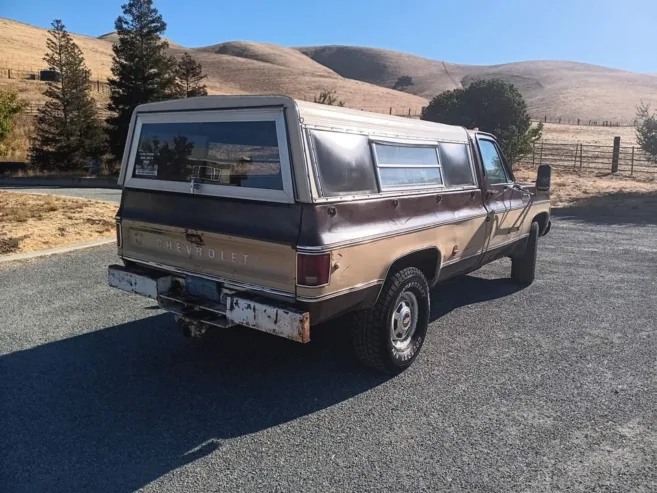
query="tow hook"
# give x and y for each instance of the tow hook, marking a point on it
(191, 328)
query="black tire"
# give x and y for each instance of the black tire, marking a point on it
(523, 265)
(372, 331)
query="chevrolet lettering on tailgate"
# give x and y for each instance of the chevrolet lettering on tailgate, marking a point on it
(193, 250)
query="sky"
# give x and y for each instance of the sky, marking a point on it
(613, 33)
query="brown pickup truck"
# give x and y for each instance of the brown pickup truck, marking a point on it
(276, 214)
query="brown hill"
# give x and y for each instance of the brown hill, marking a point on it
(245, 68)
(552, 88)
(113, 38)
(269, 53)
(361, 76)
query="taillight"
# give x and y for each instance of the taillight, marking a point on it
(119, 235)
(313, 269)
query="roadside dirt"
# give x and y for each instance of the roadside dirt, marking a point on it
(30, 222)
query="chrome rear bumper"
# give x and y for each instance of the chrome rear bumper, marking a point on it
(235, 308)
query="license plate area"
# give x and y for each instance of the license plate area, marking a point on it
(202, 288)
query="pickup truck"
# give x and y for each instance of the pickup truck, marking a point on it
(277, 215)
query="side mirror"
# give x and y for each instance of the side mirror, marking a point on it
(543, 177)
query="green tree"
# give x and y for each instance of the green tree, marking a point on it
(10, 107)
(189, 77)
(493, 106)
(645, 127)
(403, 82)
(142, 69)
(329, 98)
(68, 132)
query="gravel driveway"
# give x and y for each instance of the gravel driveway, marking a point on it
(548, 388)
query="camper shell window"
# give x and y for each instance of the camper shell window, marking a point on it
(456, 164)
(230, 153)
(403, 166)
(344, 162)
(240, 154)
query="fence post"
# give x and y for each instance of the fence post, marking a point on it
(533, 154)
(540, 159)
(578, 121)
(580, 156)
(576, 149)
(390, 113)
(615, 155)
(632, 165)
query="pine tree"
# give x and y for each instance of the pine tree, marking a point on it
(143, 70)
(68, 132)
(189, 75)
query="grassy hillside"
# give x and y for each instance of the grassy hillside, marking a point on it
(361, 76)
(232, 68)
(552, 88)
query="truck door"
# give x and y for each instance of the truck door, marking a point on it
(504, 218)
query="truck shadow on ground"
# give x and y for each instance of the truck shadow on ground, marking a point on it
(117, 408)
(614, 208)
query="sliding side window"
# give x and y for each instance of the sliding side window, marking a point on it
(407, 166)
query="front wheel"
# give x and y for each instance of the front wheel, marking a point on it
(389, 336)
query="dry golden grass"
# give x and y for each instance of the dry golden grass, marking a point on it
(23, 46)
(16, 147)
(552, 88)
(595, 135)
(362, 76)
(570, 188)
(249, 68)
(30, 222)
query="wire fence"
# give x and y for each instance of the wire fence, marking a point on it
(32, 109)
(595, 122)
(98, 83)
(588, 157)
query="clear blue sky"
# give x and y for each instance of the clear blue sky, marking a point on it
(605, 32)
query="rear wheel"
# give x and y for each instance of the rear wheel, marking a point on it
(523, 265)
(389, 336)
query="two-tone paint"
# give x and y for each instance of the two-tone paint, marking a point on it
(252, 244)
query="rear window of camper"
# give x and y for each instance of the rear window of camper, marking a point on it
(240, 154)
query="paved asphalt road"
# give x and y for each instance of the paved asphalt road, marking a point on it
(108, 194)
(548, 388)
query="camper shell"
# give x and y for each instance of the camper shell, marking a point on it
(280, 214)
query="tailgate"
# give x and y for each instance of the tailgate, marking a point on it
(235, 240)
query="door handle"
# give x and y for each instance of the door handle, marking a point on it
(489, 194)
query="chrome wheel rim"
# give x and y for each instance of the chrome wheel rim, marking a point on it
(404, 321)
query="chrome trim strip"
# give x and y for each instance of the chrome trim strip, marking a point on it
(358, 287)
(245, 285)
(369, 239)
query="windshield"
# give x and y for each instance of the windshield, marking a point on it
(241, 154)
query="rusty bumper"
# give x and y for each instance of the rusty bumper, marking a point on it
(240, 308)
(277, 320)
